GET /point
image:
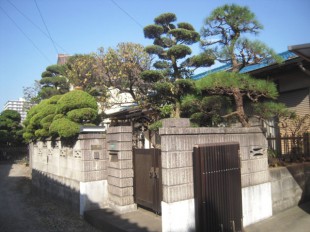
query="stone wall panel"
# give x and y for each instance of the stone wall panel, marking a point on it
(178, 192)
(177, 159)
(120, 182)
(177, 176)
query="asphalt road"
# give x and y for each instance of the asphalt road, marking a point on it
(23, 210)
(295, 219)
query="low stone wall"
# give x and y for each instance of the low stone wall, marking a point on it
(75, 172)
(59, 187)
(177, 172)
(96, 171)
(290, 186)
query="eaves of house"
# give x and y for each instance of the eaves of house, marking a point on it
(302, 50)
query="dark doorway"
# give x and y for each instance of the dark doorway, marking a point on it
(217, 179)
(147, 178)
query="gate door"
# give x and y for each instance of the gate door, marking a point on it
(217, 177)
(147, 178)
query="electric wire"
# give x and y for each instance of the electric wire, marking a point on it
(35, 25)
(46, 27)
(30, 40)
(126, 13)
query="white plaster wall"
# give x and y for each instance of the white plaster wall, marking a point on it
(93, 195)
(256, 203)
(178, 216)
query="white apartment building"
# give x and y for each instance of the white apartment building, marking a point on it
(20, 105)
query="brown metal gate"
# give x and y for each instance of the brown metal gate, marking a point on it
(217, 180)
(147, 178)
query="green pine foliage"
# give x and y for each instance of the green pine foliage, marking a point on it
(175, 64)
(227, 82)
(76, 99)
(53, 82)
(207, 111)
(64, 128)
(10, 128)
(268, 110)
(222, 37)
(61, 116)
(254, 90)
(83, 115)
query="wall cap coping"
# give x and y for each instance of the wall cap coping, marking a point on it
(80, 137)
(290, 167)
(209, 130)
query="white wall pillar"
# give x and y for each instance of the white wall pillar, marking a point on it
(256, 203)
(93, 195)
(178, 216)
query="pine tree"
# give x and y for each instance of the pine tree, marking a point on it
(171, 44)
(53, 82)
(222, 34)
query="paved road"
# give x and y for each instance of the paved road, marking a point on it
(22, 210)
(296, 219)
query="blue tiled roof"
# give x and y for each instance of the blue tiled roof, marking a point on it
(285, 56)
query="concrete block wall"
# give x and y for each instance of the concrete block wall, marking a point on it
(75, 171)
(290, 186)
(120, 169)
(177, 171)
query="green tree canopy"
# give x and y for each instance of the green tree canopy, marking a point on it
(121, 68)
(81, 71)
(222, 36)
(204, 110)
(226, 83)
(53, 82)
(61, 115)
(10, 128)
(175, 64)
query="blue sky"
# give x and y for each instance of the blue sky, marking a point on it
(82, 26)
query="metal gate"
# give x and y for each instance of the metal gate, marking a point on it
(217, 179)
(147, 178)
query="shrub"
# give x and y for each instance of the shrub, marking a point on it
(41, 133)
(64, 128)
(76, 99)
(84, 115)
(61, 115)
(58, 116)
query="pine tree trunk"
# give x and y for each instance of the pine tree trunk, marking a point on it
(177, 110)
(240, 108)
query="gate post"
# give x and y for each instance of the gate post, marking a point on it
(120, 169)
(178, 205)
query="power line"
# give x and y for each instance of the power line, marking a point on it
(31, 41)
(46, 27)
(43, 32)
(126, 13)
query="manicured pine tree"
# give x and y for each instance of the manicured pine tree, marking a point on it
(53, 82)
(175, 65)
